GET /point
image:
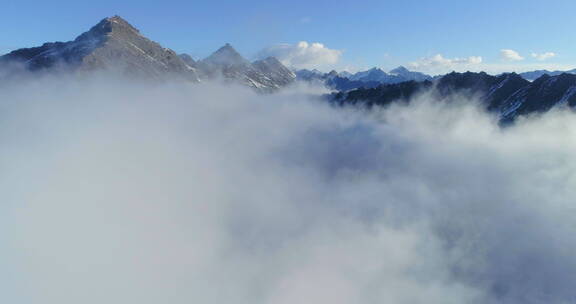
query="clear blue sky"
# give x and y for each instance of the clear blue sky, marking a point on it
(368, 33)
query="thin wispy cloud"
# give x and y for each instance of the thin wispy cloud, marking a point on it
(543, 56)
(511, 61)
(510, 55)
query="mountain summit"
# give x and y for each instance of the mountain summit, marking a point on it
(111, 26)
(226, 56)
(113, 44)
(265, 75)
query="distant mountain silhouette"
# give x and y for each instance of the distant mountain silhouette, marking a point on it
(371, 78)
(533, 75)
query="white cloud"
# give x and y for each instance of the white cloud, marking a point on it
(304, 55)
(440, 64)
(510, 55)
(543, 56)
(213, 194)
(497, 68)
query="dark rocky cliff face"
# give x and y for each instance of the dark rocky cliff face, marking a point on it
(541, 95)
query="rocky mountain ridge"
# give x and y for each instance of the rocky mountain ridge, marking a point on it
(115, 45)
(507, 95)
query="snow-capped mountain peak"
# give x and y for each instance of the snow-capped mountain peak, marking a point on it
(111, 44)
(114, 44)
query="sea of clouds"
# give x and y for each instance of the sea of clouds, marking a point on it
(119, 192)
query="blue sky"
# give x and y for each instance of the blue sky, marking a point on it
(431, 36)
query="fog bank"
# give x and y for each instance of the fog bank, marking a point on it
(118, 192)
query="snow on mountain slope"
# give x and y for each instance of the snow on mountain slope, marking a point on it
(111, 44)
(114, 44)
(268, 74)
(508, 95)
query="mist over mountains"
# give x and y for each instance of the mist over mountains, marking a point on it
(117, 191)
(133, 174)
(116, 46)
(507, 95)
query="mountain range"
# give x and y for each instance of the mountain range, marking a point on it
(343, 81)
(533, 75)
(508, 95)
(374, 77)
(266, 74)
(114, 44)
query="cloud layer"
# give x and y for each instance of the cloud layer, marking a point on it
(115, 192)
(304, 55)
